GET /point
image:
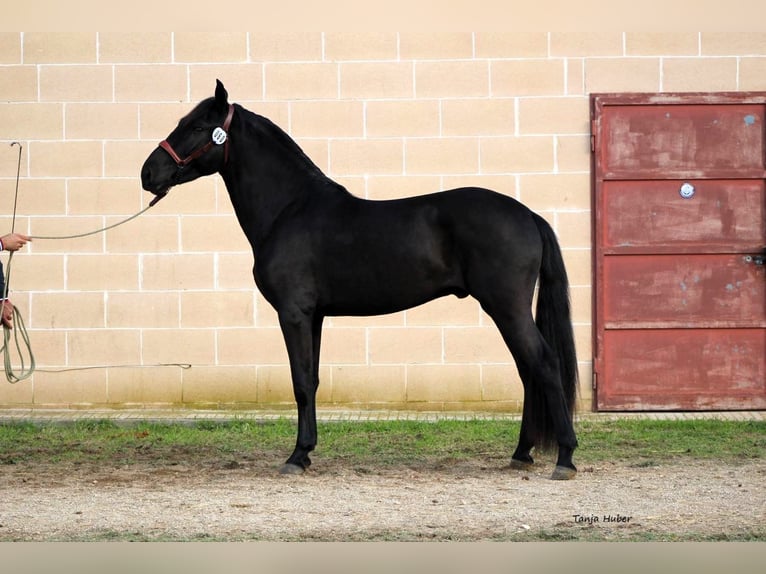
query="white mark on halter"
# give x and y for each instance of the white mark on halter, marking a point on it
(219, 136)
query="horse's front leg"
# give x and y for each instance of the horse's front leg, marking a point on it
(302, 333)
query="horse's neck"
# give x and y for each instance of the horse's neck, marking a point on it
(265, 183)
(258, 204)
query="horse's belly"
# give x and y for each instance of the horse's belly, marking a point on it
(391, 289)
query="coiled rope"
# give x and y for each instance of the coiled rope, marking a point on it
(19, 334)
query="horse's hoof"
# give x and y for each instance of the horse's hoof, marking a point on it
(563, 473)
(289, 468)
(520, 464)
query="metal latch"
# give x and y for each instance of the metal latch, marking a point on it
(757, 259)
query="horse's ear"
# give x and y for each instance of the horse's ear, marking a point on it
(221, 95)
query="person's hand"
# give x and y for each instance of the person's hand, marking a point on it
(14, 241)
(7, 314)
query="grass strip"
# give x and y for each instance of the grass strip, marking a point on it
(380, 444)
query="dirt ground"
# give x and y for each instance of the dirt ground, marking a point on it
(245, 499)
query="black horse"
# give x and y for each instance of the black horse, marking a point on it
(320, 251)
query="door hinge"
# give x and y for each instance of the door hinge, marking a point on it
(593, 131)
(594, 382)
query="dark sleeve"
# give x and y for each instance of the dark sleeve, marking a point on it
(2, 281)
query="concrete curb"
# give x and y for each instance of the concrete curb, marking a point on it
(172, 416)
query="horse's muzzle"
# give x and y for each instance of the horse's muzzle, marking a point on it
(158, 175)
(148, 183)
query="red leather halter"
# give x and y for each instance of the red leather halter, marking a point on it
(203, 149)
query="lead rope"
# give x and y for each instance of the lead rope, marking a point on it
(20, 335)
(101, 230)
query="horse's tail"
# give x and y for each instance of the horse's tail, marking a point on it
(554, 321)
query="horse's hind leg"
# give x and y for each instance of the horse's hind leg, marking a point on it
(522, 456)
(544, 401)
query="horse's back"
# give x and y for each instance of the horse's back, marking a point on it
(468, 221)
(465, 205)
(494, 224)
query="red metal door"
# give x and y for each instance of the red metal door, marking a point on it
(679, 231)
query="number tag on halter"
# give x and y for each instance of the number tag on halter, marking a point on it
(219, 136)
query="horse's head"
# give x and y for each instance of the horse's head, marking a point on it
(198, 146)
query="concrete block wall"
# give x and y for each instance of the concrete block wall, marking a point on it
(386, 114)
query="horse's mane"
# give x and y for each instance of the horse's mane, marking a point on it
(263, 127)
